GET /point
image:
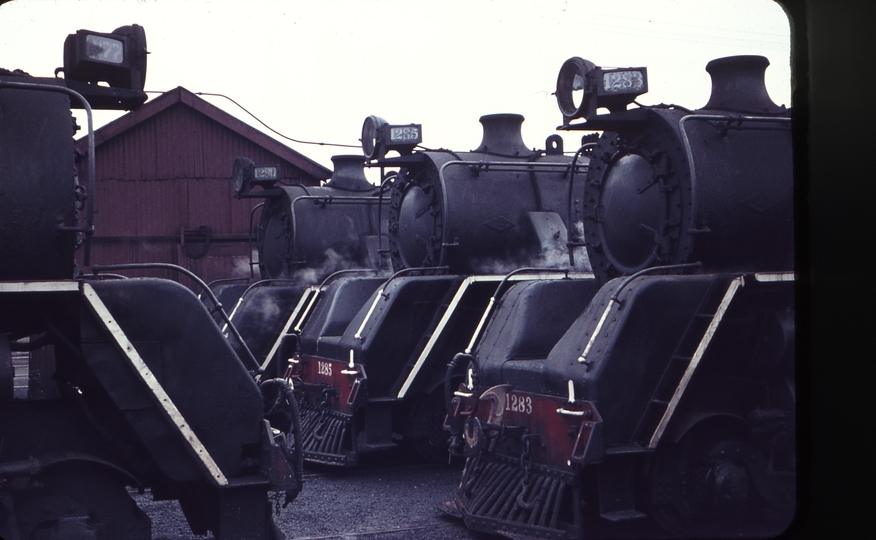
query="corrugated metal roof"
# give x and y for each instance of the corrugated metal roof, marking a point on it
(180, 138)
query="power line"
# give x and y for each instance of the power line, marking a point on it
(262, 123)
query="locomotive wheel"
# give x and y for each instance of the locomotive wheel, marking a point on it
(81, 505)
(427, 434)
(704, 486)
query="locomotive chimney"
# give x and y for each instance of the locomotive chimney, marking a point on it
(349, 174)
(502, 135)
(738, 85)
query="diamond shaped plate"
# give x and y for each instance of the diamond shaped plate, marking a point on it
(499, 224)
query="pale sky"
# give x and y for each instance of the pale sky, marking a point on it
(314, 70)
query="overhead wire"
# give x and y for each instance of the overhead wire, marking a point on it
(259, 120)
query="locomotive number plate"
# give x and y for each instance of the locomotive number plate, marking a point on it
(324, 368)
(517, 403)
(404, 134)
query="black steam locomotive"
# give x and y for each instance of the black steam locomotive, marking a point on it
(661, 391)
(367, 353)
(304, 235)
(131, 384)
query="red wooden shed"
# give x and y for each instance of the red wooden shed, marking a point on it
(163, 187)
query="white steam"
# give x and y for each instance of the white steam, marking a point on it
(554, 254)
(333, 262)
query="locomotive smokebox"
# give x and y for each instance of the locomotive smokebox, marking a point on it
(712, 186)
(491, 210)
(306, 233)
(349, 174)
(738, 85)
(502, 135)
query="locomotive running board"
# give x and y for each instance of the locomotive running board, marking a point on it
(151, 382)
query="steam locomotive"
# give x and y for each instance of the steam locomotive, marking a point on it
(305, 234)
(661, 391)
(123, 392)
(367, 353)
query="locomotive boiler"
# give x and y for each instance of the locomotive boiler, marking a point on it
(500, 207)
(661, 394)
(308, 232)
(370, 352)
(305, 234)
(130, 382)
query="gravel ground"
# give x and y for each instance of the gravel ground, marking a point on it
(388, 497)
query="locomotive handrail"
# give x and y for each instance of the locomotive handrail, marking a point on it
(334, 275)
(695, 359)
(251, 216)
(386, 180)
(315, 292)
(304, 298)
(487, 165)
(89, 214)
(689, 151)
(511, 166)
(224, 280)
(582, 359)
(199, 281)
(105, 276)
(492, 303)
(448, 313)
(259, 283)
(148, 378)
(380, 294)
(328, 199)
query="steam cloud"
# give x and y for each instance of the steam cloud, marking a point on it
(553, 254)
(332, 262)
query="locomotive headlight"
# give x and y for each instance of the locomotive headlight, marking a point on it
(245, 174)
(117, 58)
(378, 137)
(574, 94)
(239, 176)
(372, 135)
(583, 87)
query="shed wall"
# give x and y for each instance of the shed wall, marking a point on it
(169, 174)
